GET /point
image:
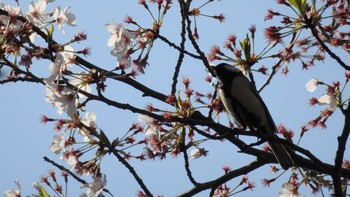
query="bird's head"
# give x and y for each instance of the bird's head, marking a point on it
(224, 70)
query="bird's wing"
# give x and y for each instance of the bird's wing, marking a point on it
(232, 109)
(252, 108)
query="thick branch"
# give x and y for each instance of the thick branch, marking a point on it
(22, 79)
(342, 140)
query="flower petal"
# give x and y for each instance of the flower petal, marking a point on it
(311, 85)
(195, 154)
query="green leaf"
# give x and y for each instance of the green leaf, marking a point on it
(49, 35)
(43, 192)
(299, 4)
(245, 45)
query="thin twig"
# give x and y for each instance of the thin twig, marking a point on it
(187, 164)
(193, 41)
(132, 171)
(164, 39)
(278, 63)
(326, 48)
(181, 53)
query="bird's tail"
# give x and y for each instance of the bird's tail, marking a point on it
(282, 155)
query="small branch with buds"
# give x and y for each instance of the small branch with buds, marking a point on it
(223, 179)
(278, 63)
(324, 46)
(62, 168)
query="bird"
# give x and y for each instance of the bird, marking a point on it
(243, 102)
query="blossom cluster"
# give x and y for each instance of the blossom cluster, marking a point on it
(332, 99)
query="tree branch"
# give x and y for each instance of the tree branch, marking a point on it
(164, 39)
(278, 63)
(187, 164)
(223, 179)
(192, 39)
(181, 54)
(132, 171)
(324, 46)
(339, 156)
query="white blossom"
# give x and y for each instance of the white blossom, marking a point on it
(63, 17)
(61, 97)
(195, 154)
(37, 14)
(311, 85)
(152, 128)
(79, 82)
(328, 99)
(14, 26)
(70, 157)
(120, 41)
(88, 120)
(72, 160)
(95, 188)
(13, 11)
(288, 190)
(63, 100)
(66, 56)
(14, 192)
(58, 144)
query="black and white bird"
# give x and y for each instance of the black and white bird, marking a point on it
(243, 102)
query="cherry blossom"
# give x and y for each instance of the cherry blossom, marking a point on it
(13, 11)
(328, 99)
(88, 120)
(79, 82)
(63, 60)
(63, 101)
(13, 25)
(152, 128)
(61, 97)
(288, 190)
(37, 14)
(71, 157)
(120, 41)
(14, 192)
(63, 17)
(95, 188)
(66, 57)
(195, 154)
(311, 85)
(58, 144)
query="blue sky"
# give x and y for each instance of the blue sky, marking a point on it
(25, 141)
